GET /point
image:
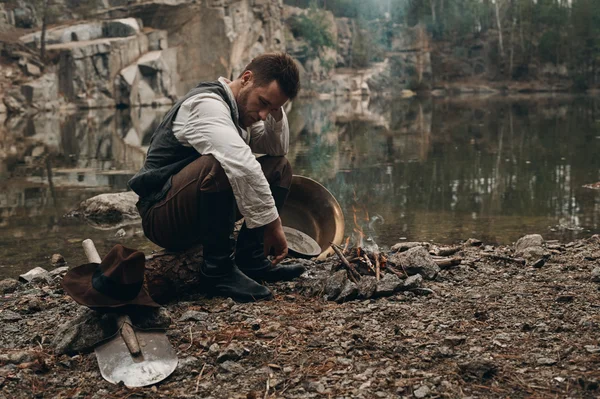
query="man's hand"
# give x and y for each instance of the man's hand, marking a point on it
(278, 114)
(275, 239)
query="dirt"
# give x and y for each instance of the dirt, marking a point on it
(489, 327)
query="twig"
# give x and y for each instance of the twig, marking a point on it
(352, 273)
(191, 339)
(267, 389)
(377, 266)
(365, 257)
(447, 262)
(396, 272)
(200, 377)
(447, 251)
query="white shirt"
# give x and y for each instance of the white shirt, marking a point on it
(204, 122)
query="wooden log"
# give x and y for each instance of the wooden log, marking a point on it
(448, 262)
(352, 273)
(172, 274)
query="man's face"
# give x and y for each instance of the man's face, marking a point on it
(255, 103)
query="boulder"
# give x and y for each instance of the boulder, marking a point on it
(531, 240)
(36, 275)
(388, 285)
(109, 210)
(416, 261)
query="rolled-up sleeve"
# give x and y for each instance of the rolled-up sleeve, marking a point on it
(270, 137)
(210, 130)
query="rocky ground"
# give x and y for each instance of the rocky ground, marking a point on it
(513, 322)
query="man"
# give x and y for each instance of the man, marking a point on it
(200, 169)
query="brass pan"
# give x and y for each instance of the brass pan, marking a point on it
(313, 210)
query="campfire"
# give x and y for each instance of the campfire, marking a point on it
(364, 259)
(362, 263)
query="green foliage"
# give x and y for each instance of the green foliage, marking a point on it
(565, 32)
(314, 28)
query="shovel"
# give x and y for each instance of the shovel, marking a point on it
(135, 357)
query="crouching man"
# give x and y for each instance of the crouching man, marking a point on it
(200, 169)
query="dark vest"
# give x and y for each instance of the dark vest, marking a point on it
(166, 156)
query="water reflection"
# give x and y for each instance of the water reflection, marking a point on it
(443, 170)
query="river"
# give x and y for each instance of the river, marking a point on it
(419, 169)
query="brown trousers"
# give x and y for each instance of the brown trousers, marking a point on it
(175, 223)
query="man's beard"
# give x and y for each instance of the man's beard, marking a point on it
(242, 104)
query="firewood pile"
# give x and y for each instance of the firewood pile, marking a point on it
(360, 262)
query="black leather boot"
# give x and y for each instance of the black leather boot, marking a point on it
(220, 275)
(250, 256)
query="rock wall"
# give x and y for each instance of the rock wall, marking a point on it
(140, 52)
(214, 38)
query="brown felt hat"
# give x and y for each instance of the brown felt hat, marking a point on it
(117, 281)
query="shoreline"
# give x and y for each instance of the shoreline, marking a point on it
(488, 327)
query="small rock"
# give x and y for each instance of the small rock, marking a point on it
(59, 271)
(151, 318)
(421, 392)
(232, 352)
(232, 367)
(405, 246)
(187, 364)
(318, 387)
(423, 291)
(57, 260)
(387, 285)
(412, 282)
(596, 275)
(35, 275)
(335, 284)
(478, 370)
(592, 348)
(565, 298)
(9, 316)
(120, 233)
(8, 285)
(416, 261)
(349, 293)
(193, 315)
(546, 361)
(366, 287)
(455, 340)
(531, 240)
(473, 242)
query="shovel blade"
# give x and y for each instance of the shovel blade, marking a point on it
(157, 361)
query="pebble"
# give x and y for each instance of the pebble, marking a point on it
(546, 361)
(9, 285)
(57, 260)
(422, 391)
(9, 316)
(596, 275)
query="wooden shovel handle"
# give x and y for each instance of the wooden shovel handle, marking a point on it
(129, 335)
(124, 321)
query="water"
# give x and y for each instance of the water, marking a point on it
(409, 169)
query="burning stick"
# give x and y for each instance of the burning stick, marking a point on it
(365, 257)
(352, 273)
(377, 266)
(344, 251)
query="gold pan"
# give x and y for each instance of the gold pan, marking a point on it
(313, 210)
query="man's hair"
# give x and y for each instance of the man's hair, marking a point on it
(276, 66)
